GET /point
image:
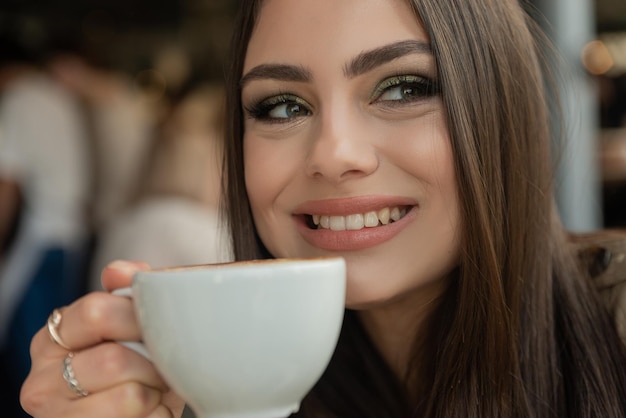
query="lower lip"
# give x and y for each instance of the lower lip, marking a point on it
(361, 239)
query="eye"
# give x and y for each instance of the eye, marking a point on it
(288, 110)
(404, 89)
(279, 108)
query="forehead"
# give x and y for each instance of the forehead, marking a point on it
(289, 31)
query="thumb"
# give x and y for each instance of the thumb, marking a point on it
(120, 273)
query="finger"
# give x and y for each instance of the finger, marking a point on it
(42, 344)
(96, 370)
(119, 273)
(40, 393)
(173, 402)
(162, 411)
(110, 364)
(92, 319)
(46, 393)
(128, 400)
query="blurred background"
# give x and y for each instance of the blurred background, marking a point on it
(110, 114)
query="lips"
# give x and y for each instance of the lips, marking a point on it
(353, 223)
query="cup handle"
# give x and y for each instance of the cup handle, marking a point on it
(133, 345)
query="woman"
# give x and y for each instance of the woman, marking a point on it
(412, 139)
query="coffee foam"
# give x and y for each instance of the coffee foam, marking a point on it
(242, 263)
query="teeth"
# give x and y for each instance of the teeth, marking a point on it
(359, 221)
(338, 223)
(355, 222)
(371, 219)
(395, 214)
(383, 216)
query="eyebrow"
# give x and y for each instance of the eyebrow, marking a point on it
(280, 72)
(366, 61)
(361, 64)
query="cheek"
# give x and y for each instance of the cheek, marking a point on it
(423, 151)
(270, 167)
(443, 206)
(273, 162)
(261, 180)
(429, 159)
(266, 169)
(255, 164)
(260, 186)
(422, 160)
(437, 167)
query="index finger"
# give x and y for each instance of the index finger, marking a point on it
(90, 320)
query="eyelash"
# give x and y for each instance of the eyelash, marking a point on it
(421, 86)
(261, 109)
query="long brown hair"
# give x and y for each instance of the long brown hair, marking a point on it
(520, 332)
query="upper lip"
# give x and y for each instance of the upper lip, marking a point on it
(351, 205)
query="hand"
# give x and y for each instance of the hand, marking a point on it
(119, 382)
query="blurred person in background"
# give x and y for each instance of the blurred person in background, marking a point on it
(122, 121)
(44, 187)
(143, 183)
(174, 218)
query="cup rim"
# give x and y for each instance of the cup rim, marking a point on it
(265, 262)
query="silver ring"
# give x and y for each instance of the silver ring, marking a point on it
(70, 378)
(54, 321)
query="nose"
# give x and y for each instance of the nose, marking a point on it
(341, 149)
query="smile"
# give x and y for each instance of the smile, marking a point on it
(358, 221)
(354, 223)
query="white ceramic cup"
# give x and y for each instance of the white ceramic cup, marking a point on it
(241, 340)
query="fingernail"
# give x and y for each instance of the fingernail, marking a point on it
(125, 266)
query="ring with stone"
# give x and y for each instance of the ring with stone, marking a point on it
(70, 377)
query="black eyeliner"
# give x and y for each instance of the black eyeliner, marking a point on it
(427, 87)
(261, 109)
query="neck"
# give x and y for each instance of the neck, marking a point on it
(396, 328)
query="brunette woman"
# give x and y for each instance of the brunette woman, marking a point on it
(411, 138)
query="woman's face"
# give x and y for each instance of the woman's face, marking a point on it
(346, 147)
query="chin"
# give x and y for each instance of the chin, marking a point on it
(362, 296)
(386, 290)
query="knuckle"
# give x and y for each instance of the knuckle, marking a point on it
(161, 412)
(115, 360)
(96, 309)
(137, 400)
(32, 398)
(39, 343)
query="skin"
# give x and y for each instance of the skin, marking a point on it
(121, 382)
(353, 148)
